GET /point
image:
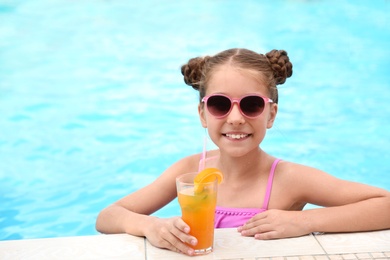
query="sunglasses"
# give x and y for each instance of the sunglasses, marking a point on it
(250, 106)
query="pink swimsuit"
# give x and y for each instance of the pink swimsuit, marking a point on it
(234, 217)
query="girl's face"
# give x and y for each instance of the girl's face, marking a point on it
(235, 133)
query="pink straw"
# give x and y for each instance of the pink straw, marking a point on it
(203, 158)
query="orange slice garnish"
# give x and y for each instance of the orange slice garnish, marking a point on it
(207, 175)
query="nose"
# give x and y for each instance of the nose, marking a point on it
(235, 117)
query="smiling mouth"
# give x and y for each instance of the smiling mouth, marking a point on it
(236, 136)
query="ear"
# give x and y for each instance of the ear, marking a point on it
(272, 115)
(202, 115)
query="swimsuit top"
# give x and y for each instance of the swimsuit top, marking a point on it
(235, 217)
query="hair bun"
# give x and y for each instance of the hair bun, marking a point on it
(192, 71)
(280, 64)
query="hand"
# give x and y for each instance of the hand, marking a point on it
(172, 234)
(273, 224)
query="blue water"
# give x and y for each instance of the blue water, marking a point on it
(93, 105)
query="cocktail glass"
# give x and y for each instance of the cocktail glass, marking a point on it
(198, 202)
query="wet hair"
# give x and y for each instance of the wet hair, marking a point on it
(273, 68)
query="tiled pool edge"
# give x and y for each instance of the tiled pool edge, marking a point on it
(229, 245)
(353, 256)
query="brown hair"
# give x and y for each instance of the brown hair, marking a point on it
(274, 67)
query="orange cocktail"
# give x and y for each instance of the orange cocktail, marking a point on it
(198, 202)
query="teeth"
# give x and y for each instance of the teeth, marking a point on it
(236, 136)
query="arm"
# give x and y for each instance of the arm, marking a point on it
(366, 215)
(348, 206)
(131, 213)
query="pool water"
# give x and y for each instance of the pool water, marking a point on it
(93, 104)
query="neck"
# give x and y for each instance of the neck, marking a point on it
(242, 167)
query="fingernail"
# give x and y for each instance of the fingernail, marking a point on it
(239, 229)
(186, 229)
(190, 251)
(193, 242)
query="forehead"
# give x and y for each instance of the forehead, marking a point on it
(228, 78)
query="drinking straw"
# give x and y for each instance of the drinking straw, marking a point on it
(203, 158)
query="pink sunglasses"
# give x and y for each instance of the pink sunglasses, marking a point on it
(250, 106)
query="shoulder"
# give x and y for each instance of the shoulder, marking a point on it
(167, 180)
(299, 171)
(309, 184)
(186, 164)
(302, 178)
(306, 177)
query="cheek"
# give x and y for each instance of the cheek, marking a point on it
(260, 132)
(213, 128)
(211, 124)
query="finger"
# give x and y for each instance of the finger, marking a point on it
(257, 217)
(174, 244)
(182, 232)
(181, 225)
(252, 223)
(267, 235)
(185, 238)
(257, 229)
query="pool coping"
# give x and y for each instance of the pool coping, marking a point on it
(229, 244)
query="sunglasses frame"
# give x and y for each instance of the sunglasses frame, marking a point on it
(238, 102)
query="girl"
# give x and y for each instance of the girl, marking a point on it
(238, 103)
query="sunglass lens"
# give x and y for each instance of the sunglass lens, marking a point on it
(252, 106)
(218, 105)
